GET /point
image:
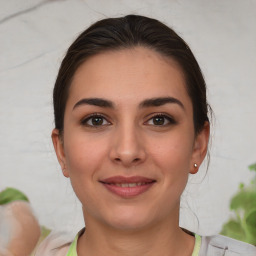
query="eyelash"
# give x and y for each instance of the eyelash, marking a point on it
(94, 115)
(168, 119)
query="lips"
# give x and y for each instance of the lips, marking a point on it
(127, 187)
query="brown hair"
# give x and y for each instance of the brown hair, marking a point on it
(128, 32)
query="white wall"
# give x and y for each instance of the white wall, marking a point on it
(34, 36)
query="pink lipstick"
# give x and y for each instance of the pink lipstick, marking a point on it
(127, 187)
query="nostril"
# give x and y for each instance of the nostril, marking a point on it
(135, 160)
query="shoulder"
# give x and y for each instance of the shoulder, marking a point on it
(56, 244)
(222, 245)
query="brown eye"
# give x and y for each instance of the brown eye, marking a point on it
(95, 120)
(161, 120)
(158, 120)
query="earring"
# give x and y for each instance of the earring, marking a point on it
(195, 169)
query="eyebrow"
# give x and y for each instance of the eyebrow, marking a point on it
(95, 102)
(154, 102)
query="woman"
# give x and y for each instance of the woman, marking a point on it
(131, 123)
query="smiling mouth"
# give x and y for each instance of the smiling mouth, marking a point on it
(127, 187)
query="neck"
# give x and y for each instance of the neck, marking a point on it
(164, 239)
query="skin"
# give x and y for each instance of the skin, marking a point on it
(130, 142)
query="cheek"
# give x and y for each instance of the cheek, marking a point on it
(173, 152)
(172, 156)
(84, 154)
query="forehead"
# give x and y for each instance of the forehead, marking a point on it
(128, 74)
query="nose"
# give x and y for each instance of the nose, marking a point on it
(127, 148)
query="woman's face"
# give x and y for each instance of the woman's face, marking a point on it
(129, 142)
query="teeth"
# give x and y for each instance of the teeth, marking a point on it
(133, 185)
(130, 185)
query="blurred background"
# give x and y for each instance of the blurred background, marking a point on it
(34, 35)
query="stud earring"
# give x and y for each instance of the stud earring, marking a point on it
(195, 170)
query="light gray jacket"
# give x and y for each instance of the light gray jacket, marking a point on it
(224, 246)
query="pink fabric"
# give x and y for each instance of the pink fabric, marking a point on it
(56, 244)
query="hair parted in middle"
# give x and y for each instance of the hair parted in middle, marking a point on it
(113, 34)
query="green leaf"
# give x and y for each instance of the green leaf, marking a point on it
(233, 229)
(245, 199)
(252, 167)
(44, 232)
(11, 194)
(250, 221)
(241, 185)
(244, 205)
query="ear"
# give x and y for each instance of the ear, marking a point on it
(200, 148)
(59, 150)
